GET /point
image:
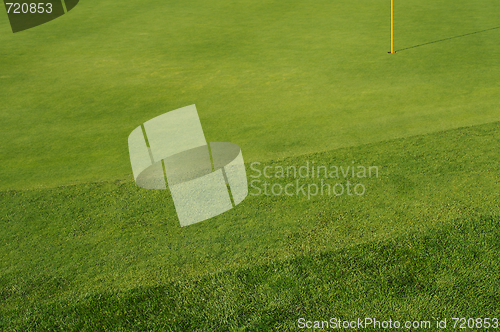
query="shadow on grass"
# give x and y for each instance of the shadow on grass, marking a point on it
(440, 40)
(441, 266)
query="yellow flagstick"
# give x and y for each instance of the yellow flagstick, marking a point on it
(392, 26)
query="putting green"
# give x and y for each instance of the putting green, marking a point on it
(82, 248)
(277, 78)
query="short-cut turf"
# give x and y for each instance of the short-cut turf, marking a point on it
(278, 78)
(82, 248)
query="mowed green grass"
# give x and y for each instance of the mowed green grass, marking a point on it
(82, 248)
(421, 277)
(421, 243)
(279, 78)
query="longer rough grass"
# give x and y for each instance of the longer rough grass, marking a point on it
(425, 276)
(74, 240)
(82, 248)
